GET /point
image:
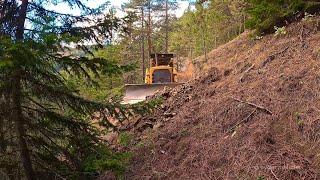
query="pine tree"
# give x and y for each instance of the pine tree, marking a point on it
(133, 39)
(162, 23)
(45, 131)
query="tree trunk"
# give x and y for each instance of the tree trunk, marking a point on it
(142, 45)
(21, 20)
(167, 26)
(190, 42)
(17, 115)
(204, 41)
(149, 29)
(19, 123)
(3, 10)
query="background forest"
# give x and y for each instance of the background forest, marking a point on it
(202, 27)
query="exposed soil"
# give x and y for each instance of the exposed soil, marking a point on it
(255, 114)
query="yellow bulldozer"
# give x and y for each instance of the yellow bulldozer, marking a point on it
(159, 75)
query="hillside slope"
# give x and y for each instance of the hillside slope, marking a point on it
(255, 114)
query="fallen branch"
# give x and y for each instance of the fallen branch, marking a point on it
(273, 56)
(274, 175)
(302, 37)
(254, 105)
(302, 34)
(246, 71)
(243, 120)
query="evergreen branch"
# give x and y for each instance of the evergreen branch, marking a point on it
(42, 9)
(43, 106)
(64, 98)
(37, 141)
(56, 133)
(57, 147)
(33, 30)
(44, 77)
(50, 169)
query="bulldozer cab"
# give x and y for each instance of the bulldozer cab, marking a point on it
(161, 69)
(161, 60)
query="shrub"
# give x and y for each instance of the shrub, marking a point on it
(280, 31)
(265, 14)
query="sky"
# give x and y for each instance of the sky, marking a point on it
(64, 8)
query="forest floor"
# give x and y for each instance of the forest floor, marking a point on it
(254, 114)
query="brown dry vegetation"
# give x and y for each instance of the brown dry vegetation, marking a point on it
(187, 73)
(255, 114)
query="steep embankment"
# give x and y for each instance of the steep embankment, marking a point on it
(255, 114)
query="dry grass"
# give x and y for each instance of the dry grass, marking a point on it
(213, 136)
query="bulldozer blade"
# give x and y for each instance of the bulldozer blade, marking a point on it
(135, 93)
